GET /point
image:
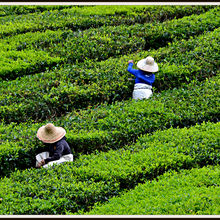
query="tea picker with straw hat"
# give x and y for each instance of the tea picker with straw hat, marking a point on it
(144, 77)
(55, 141)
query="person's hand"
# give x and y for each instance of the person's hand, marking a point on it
(38, 165)
(130, 61)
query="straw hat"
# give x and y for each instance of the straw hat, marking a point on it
(50, 134)
(148, 64)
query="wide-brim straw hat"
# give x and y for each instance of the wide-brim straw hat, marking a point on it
(50, 134)
(148, 64)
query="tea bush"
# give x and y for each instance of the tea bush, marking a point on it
(123, 149)
(52, 194)
(18, 62)
(112, 126)
(190, 192)
(79, 86)
(160, 35)
(27, 61)
(114, 41)
(97, 177)
(6, 10)
(87, 17)
(104, 42)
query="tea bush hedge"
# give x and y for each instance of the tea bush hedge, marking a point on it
(118, 144)
(160, 35)
(112, 126)
(102, 43)
(26, 61)
(18, 62)
(6, 10)
(52, 192)
(166, 11)
(87, 17)
(79, 86)
(96, 177)
(190, 192)
(123, 39)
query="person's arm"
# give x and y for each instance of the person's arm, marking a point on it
(130, 69)
(57, 154)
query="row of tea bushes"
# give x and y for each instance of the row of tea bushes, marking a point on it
(190, 192)
(7, 10)
(111, 41)
(102, 43)
(51, 193)
(166, 11)
(78, 120)
(112, 126)
(69, 46)
(87, 17)
(79, 86)
(18, 62)
(76, 186)
(115, 125)
(161, 35)
(27, 61)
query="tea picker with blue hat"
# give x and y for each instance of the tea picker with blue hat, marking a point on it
(144, 77)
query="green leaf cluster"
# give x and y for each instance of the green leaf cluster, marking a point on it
(7, 10)
(157, 156)
(97, 177)
(53, 18)
(100, 43)
(190, 192)
(79, 86)
(112, 126)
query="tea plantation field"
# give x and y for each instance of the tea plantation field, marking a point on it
(68, 65)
